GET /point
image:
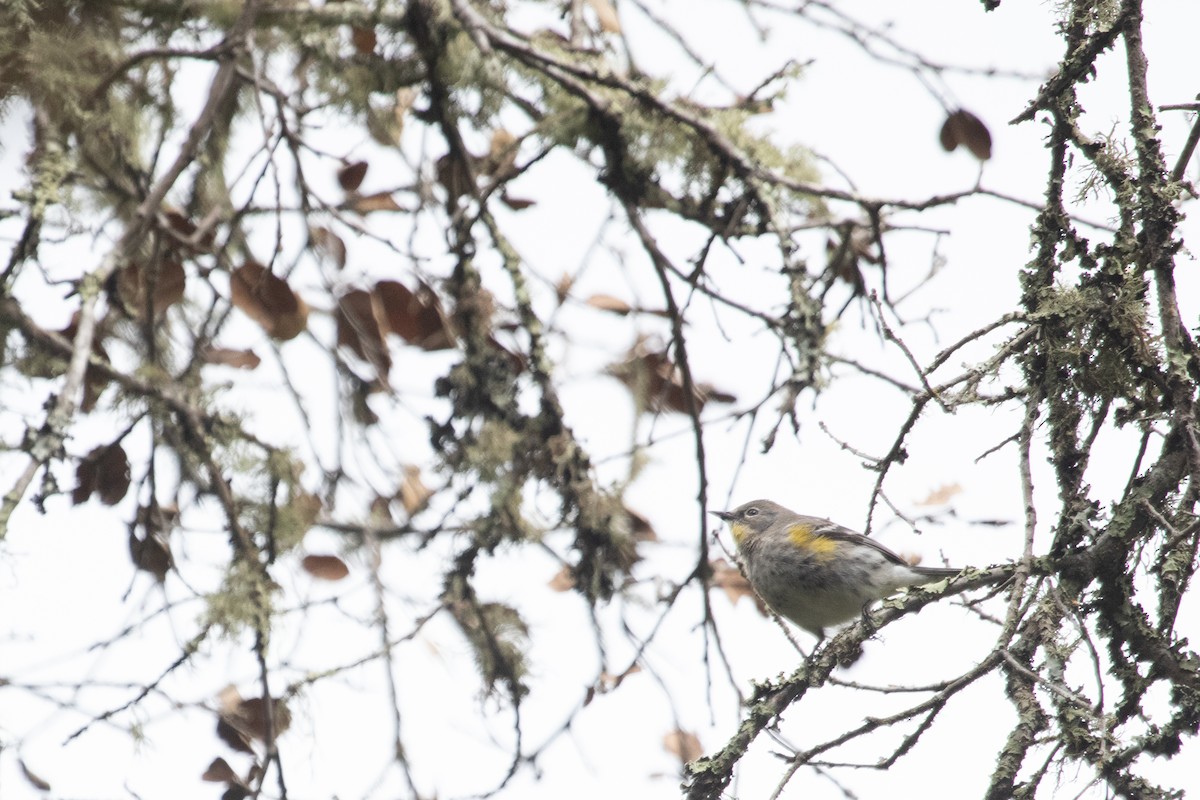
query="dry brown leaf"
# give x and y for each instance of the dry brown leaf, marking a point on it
(241, 720)
(417, 317)
(516, 203)
(268, 300)
(364, 40)
(233, 737)
(162, 287)
(380, 201)
(179, 224)
(563, 580)
(105, 470)
(729, 578)
(228, 699)
(225, 356)
(151, 554)
(414, 494)
(683, 745)
(405, 98)
(606, 302)
(562, 289)
(963, 127)
(37, 781)
(641, 528)
(327, 568)
(219, 771)
(327, 245)
(350, 176)
(254, 711)
(361, 326)
(941, 495)
(658, 386)
(606, 15)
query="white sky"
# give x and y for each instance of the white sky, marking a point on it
(62, 576)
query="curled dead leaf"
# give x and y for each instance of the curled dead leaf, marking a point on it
(350, 176)
(963, 127)
(268, 300)
(684, 745)
(380, 201)
(516, 203)
(238, 359)
(406, 96)
(413, 493)
(327, 568)
(240, 720)
(941, 495)
(327, 245)
(219, 771)
(231, 358)
(657, 385)
(233, 737)
(151, 554)
(562, 289)
(415, 316)
(361, 326)
(563, 580)
(641, 528)
(105, 470)
(182, 227)
(606, 302)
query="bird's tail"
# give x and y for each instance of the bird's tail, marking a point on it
(936, 573)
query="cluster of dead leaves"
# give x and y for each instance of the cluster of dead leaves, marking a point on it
(657, 383)
(240, 723)
(365, 317)
(350, 177)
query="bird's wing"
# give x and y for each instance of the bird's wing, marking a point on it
(831, 530)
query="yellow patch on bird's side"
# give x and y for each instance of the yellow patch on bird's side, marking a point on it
(802, 536)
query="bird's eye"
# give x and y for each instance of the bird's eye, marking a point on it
(751, 512)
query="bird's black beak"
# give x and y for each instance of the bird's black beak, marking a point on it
(725, 515)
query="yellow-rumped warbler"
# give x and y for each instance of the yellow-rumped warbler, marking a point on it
(815, 572)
